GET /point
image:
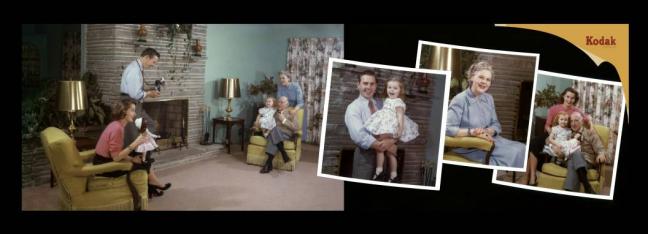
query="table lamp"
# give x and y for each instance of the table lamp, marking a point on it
(72, 98)
(229, 88)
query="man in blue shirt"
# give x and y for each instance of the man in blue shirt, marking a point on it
(132, 87)
(357, 113)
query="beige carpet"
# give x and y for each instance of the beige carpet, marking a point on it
(226, 182)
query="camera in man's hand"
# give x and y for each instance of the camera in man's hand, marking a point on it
(159, 84)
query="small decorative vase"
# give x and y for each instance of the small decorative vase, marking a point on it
(141, 33)
(197, 48)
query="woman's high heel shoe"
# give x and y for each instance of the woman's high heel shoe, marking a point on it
(153, 192)
(166, 186)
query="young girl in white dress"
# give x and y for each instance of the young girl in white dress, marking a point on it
(265, 119)
(391, 121)
(150, 143)
(561, 135)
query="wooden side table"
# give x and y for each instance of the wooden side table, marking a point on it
(228, 136)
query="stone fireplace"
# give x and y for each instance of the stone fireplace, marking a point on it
(106, 49)
(111, 47)
(170, 117)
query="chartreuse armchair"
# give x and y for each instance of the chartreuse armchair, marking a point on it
(256, 148)
(79, 188)
(469, 143)
(553, 175)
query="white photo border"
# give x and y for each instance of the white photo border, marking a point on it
(535, 77)
(616, 154)
(437, 182)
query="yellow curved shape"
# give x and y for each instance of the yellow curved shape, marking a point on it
(601, 42)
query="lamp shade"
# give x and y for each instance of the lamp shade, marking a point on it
(441, 58)
(72, 95)
(229, 88)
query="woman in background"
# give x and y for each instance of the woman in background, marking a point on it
(294, 93)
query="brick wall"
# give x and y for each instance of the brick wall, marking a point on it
(344, 91)
(510, 72)
(111, 47)
(35, 166)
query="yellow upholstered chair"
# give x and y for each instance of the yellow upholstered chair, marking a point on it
(256, 149)
(469, 143)
(79, 188)
(553, 175)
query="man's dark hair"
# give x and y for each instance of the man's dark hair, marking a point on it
(150, 52)
(366, 72)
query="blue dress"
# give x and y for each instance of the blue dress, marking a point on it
(295, 99)
(293, 92)
(469, 111)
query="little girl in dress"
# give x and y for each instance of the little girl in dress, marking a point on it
(561, 135)
(150, 143)
(265, 119)
(391, 122)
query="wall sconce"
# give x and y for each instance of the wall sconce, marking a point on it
(423, 83)
(197, 48)
(141, 34)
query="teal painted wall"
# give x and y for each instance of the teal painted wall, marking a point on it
(248, 52)
(542, 82)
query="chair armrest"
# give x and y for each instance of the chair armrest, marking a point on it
(474, 143)
(87, 155)
(603, 171)
(469, 142)
(89, 169)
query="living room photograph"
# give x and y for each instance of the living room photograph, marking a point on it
(589, 113)
(181, 117)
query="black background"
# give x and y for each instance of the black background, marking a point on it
(464, 188)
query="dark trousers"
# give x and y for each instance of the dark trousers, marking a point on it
(98, 159)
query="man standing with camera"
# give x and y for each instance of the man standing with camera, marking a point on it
(132, 87)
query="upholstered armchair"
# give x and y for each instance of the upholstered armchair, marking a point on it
(256, 149)
(79, 188)
(553, 175)
(469, 143)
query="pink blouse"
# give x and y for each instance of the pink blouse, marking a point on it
(555, 109)
(111, 141)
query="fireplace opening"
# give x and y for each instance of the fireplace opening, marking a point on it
(170, 117)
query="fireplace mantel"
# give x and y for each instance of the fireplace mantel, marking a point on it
(166, 99)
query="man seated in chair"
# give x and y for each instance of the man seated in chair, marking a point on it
(285, 129)
(590, 155)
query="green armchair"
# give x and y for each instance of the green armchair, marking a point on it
(79, 188)
(256, 149)
(553, 176)
(470, 143)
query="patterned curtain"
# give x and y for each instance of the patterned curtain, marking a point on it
(308, 63)
(603, 103)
